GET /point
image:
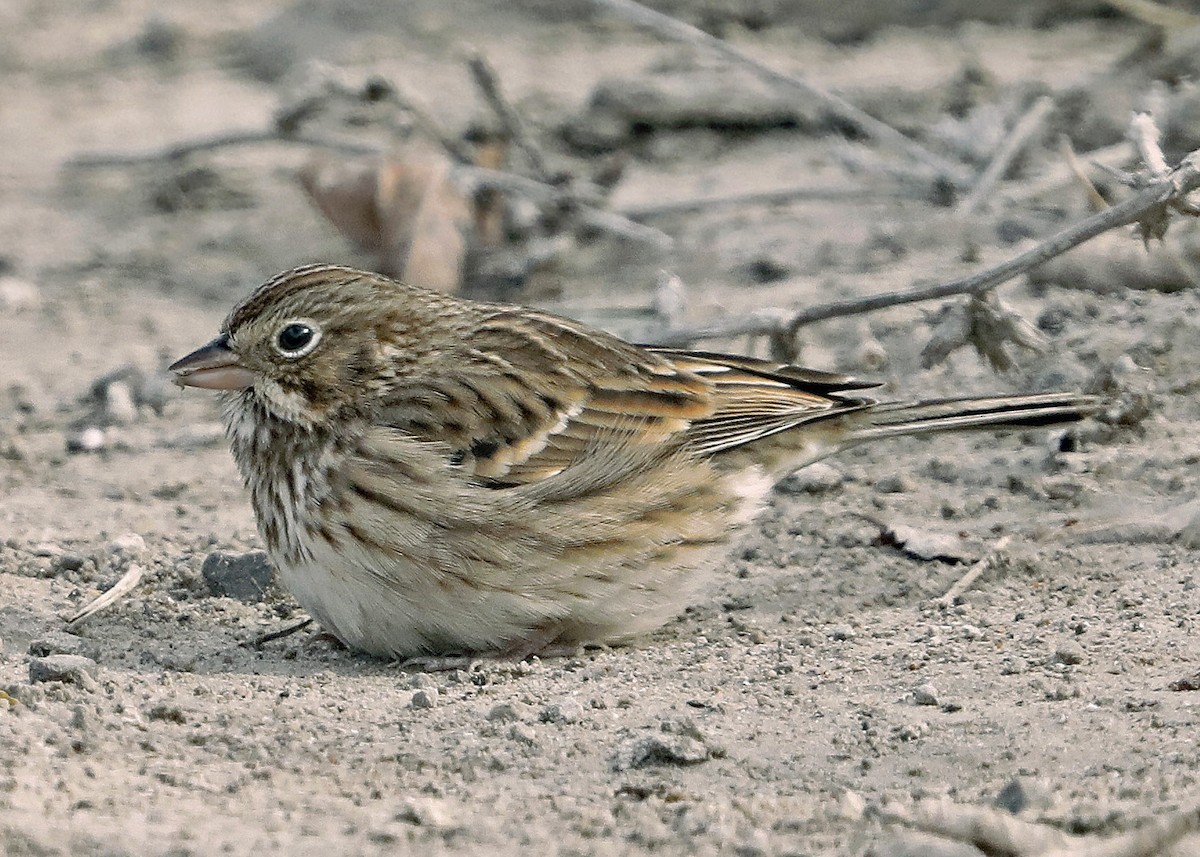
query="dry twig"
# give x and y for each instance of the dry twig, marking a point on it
(670, 28)
(119, 590)
(973, 573)
(591, 216)
(1147, 208)
(836, 193)
(514, 128)
(1014, 143)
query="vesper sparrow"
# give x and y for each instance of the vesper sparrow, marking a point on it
(436, 475)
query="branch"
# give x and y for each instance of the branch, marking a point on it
(596, 218)
(675, 30)
(1170, 189)
(588, 215)
(224, 140)
(1022, 132)
(834, 193)
(489, 84)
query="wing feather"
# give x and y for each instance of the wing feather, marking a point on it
(529, 395)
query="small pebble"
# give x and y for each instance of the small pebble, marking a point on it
(503, 712)
(1021, 794)
(70, 669)
(523, 734)
(90, 439)
(894, 484)
(425, 698)
(841, 632)
(818, 478)
(246, 577)
(70, 561)
(427, 812)
(119, 406)
(127, 547)
(925, 694)
(62, 643)
(654, 750)
(1069, 652)
(17, 294)
(851, 806)
(421, 681)
(567, 711)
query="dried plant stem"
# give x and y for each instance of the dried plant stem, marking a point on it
(973, 573)
(489, 85)
(1027, 126)
(1170, 189)
(671, 28)
(224, 140)
(782, 196)
(594, 217)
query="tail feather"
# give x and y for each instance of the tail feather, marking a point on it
(892, 419)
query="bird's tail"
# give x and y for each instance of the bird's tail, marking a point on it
(892, 419)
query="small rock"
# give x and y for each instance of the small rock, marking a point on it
(245, 577)
(70, 669)
(894, 484)
(1069, 652)
(841, 633)
(523, 734)
(503, 712)
(425, 698)
(427, 812)
(851, 806)
(89, 439)
(69, 561)
(119, 406)
(925, 694)
(1189, 534)
(62, 643)
(912, 731)
(420, 681)
(17, 294)
(1021, 794)
(652, 750)
(567, 711)
(818, 478)
(126, 548)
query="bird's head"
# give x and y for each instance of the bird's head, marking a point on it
(316, 342)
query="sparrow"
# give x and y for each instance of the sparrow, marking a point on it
(433, 475)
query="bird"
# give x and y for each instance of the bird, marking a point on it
(438, 476)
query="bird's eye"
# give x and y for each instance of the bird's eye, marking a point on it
(297, 339)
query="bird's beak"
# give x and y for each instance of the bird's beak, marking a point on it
(213, 367)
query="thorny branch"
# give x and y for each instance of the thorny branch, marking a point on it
(1148, 204)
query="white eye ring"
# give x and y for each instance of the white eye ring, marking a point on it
(297, 338)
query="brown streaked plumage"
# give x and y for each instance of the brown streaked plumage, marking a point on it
(435, 475)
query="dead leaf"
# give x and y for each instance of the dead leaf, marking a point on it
(407, 211)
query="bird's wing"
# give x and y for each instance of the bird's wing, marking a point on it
(529, 394)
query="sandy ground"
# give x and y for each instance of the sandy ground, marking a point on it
(816, 682)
